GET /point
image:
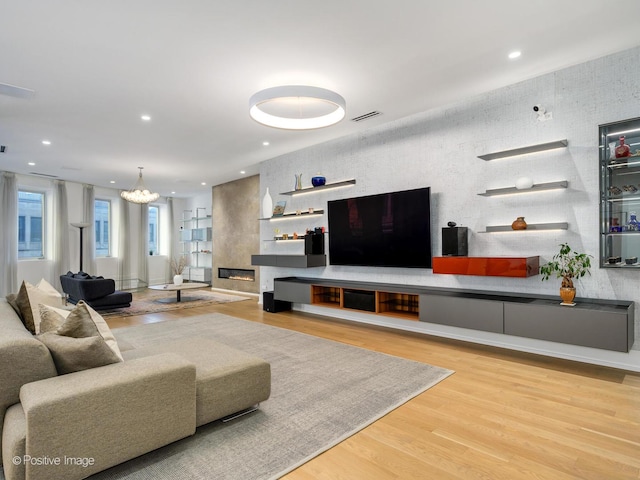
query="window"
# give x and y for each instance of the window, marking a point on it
(102, 215)
(153, 230)
(30, 224)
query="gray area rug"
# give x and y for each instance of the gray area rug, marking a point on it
(322, 393)
(154, 301)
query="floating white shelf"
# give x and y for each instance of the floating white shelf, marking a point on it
(530, 226)
(536, 188)
(326, 186)
(541, 147)
(303, 213)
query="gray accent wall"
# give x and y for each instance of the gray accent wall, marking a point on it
(440, 148)
(235, 214)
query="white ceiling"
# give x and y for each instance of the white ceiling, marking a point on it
(97, 66)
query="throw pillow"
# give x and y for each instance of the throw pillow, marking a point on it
(26, 314)
(11, 300)
(72, 354)
(30, 296)
(53, 318)
(75, 342)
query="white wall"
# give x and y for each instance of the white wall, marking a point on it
(439, 148)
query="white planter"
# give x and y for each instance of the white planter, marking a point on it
(177, 279)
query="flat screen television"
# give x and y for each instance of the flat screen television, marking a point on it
(384, 230)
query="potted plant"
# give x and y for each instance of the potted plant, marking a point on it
(177, 267)
(567, 264)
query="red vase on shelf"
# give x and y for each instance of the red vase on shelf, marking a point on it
(623, 149)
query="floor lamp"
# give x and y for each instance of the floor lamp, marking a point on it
(81, 226)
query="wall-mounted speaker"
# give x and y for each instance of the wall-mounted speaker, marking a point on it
(314, 243)
(455, 241)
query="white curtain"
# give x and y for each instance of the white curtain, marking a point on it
(61, 256)
(8, 234)
(171, 242)
(143, 246)
(124, 249)
(89, 234)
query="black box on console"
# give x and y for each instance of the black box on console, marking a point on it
(360, 300)
(270, 304)
(454, 241)
(314, 243)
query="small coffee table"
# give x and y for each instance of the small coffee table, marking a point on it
(172, 287)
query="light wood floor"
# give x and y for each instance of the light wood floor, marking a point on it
(502, 415)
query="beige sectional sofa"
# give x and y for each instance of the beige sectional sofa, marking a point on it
(73, 425)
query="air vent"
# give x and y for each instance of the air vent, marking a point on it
(43, 175)
(2, 148)
(366, 116)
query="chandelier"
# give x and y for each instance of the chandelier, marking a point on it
(139, 193)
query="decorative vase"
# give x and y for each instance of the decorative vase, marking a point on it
(267, 205)
(519, 224)
(298, 181)
(622, 150)
(633, 225)
(177, 279)
(615, 226)
(567, 295)
(318, 181)
(524, 183)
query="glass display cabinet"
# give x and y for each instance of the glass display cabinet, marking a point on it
(620, 194)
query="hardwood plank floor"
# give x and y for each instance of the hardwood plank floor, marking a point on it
(502, 415)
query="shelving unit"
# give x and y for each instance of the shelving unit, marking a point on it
(292, 261)
(539, 187)
(487, 266)
(303, 213)
(596, 323)
(304, 260)
(196, 238)
(327, 186)
(540, 147)
(535, 188)
(530, 226)
(619, 196)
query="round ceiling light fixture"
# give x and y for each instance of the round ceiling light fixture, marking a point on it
(297, 107)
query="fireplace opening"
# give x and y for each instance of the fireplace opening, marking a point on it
(242, 274)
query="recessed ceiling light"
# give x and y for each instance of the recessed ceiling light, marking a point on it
(173, 193)
(31, 164)
(46, 142)
(112, 181)
(203, 183)
(266, 144)
(242, 172)
(515, 54)
(146, 118)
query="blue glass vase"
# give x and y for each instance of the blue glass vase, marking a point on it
(318, 181)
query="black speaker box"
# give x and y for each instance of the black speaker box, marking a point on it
(269, 304)
(359, 300)
(455, 242)
(314, 244)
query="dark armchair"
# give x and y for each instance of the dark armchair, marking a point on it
(100, 293)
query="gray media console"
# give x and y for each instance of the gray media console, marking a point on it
(605, 324)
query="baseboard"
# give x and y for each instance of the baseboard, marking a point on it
(624, 361)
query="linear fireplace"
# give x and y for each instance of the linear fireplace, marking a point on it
(243, 274)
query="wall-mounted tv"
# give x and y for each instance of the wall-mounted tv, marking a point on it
(384, 230)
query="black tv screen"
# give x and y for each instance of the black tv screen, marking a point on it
(384, 230)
